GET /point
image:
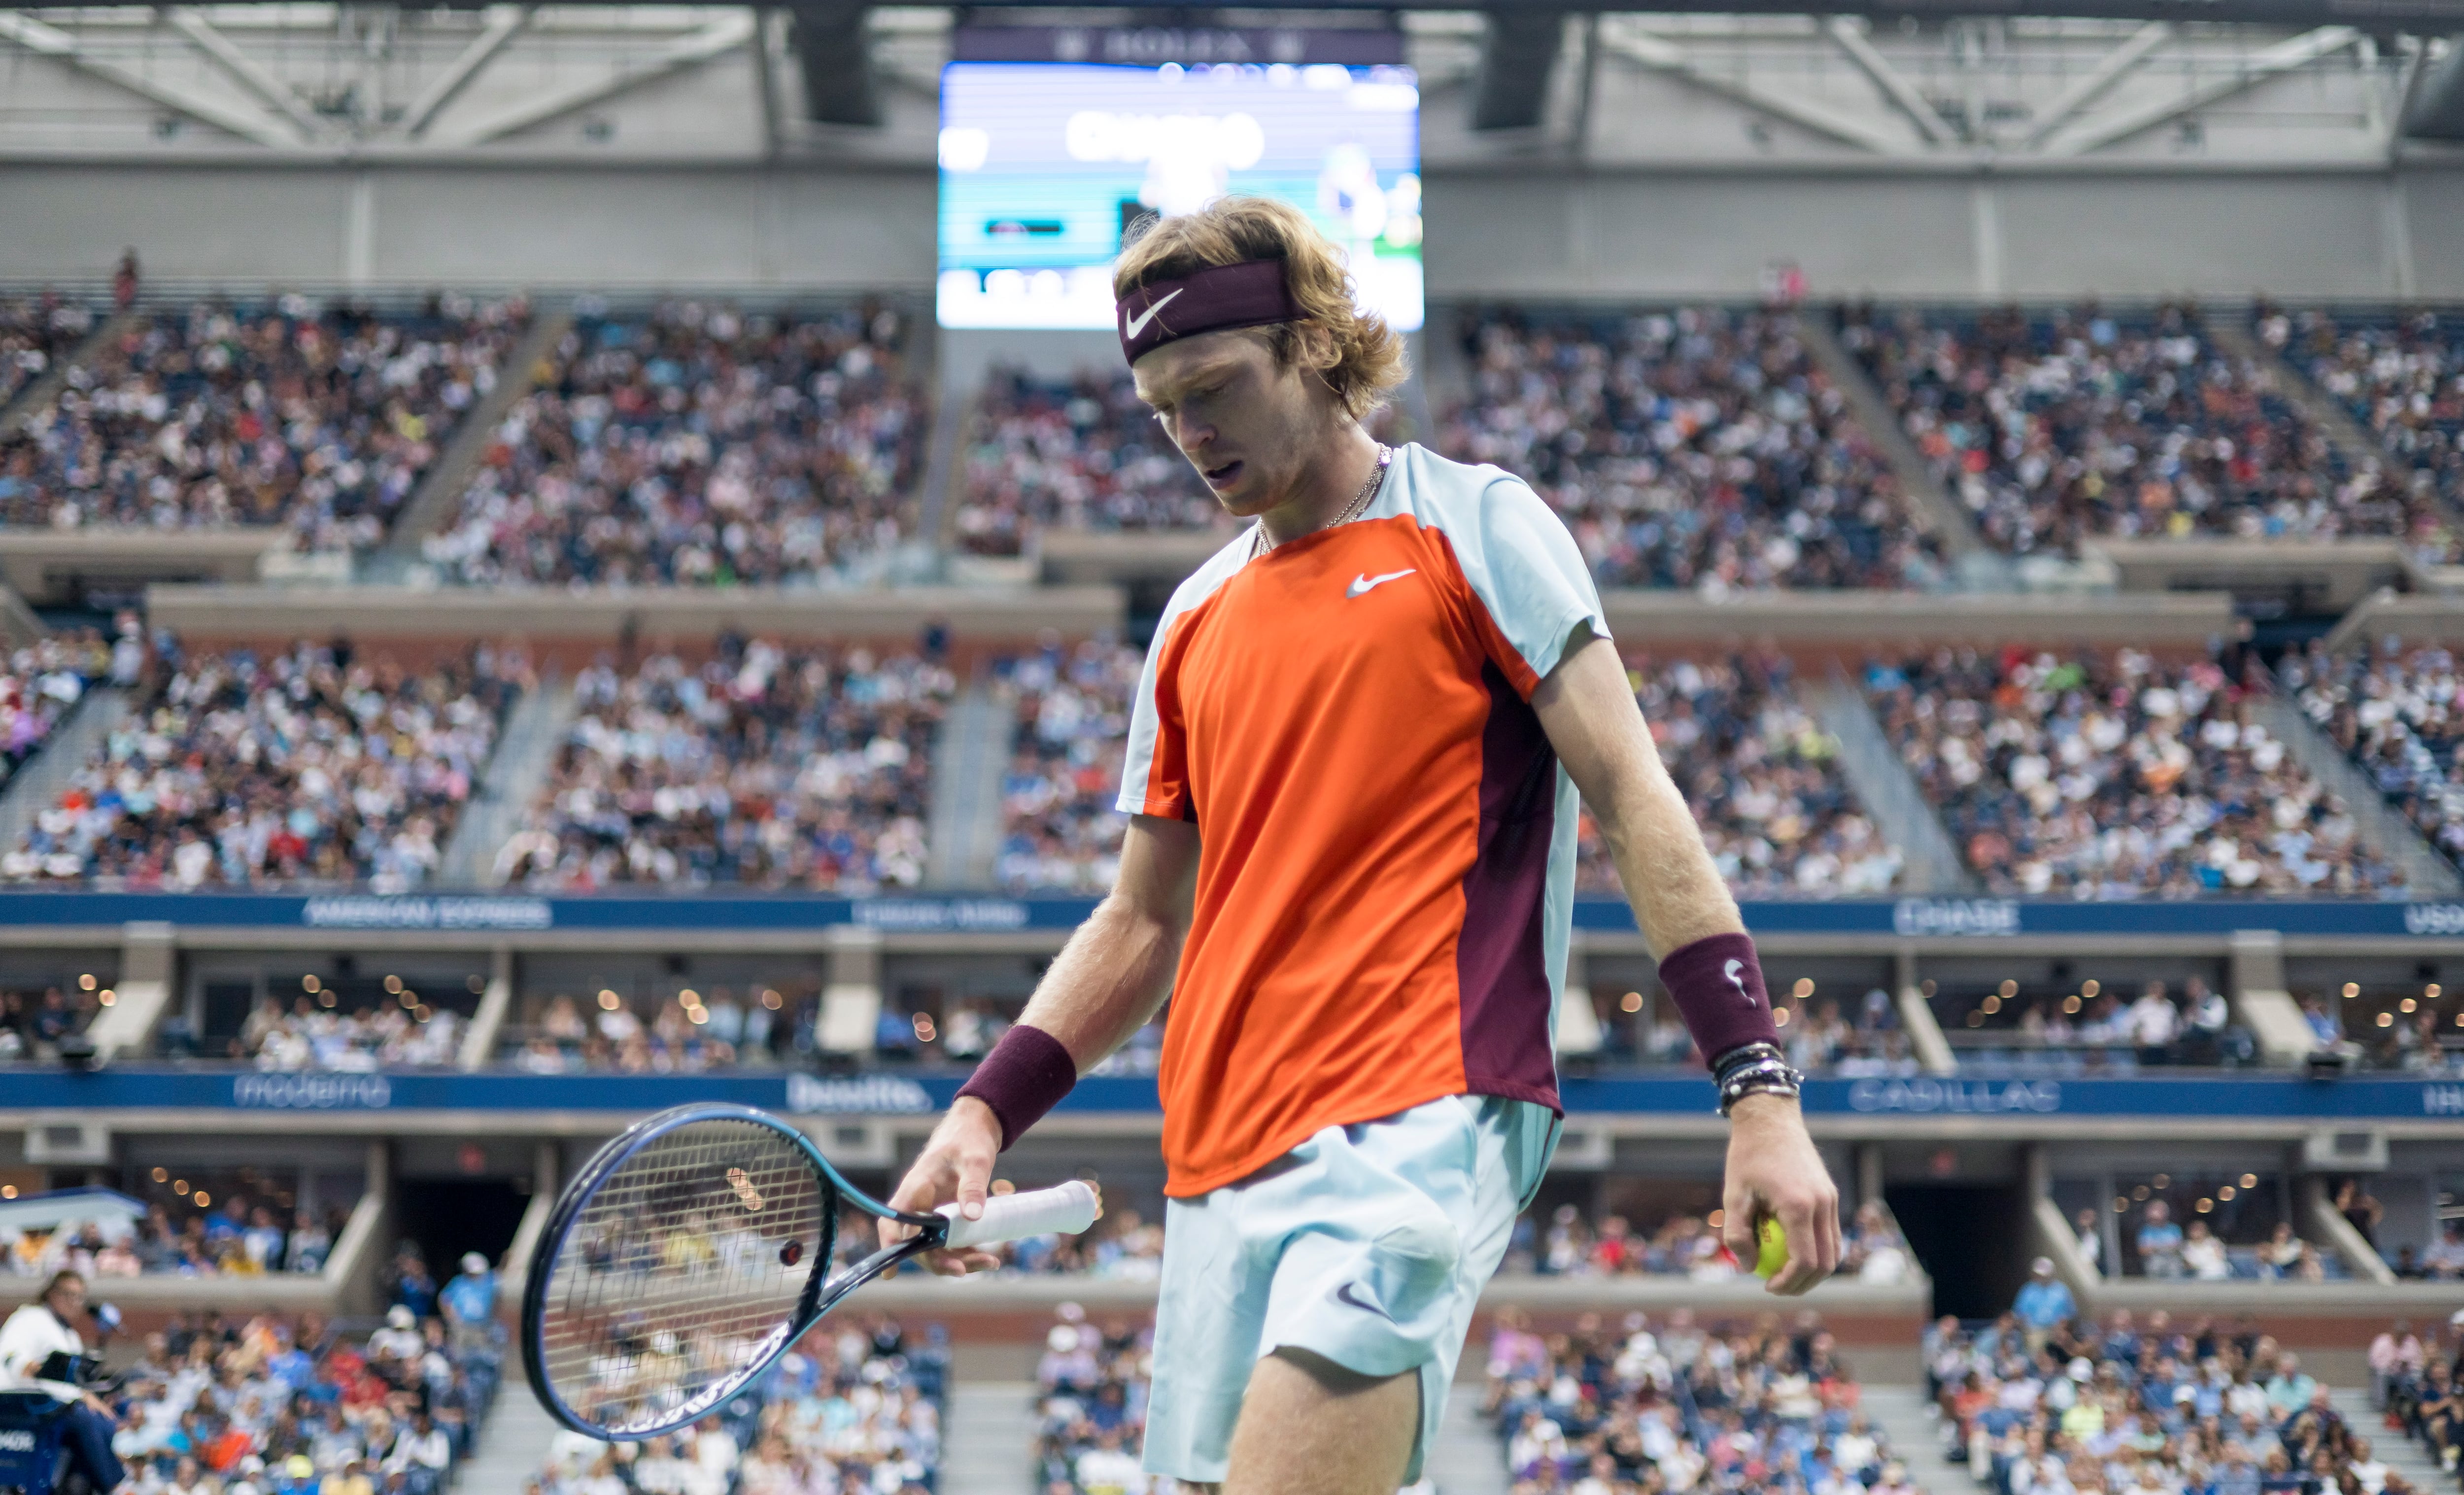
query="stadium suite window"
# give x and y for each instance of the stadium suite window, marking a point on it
(41, 1005)
(2399, 1023)
(204, 1219)
(640, 1022)
(2241, 1207)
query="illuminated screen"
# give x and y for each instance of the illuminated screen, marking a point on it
(1045, 163)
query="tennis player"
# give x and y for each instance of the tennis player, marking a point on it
(1352, 781)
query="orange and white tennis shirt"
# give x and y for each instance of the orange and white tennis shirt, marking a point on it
(1386, 881)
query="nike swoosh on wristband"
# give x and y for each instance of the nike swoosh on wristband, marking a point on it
(1139, 324)
(1343, 1294)
(1364, 584)
(1735, 971)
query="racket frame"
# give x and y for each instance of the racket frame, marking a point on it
(820, 1292)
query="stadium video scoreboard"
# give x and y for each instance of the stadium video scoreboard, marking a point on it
(1056, 140)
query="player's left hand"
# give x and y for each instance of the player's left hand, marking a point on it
(1775, 1171)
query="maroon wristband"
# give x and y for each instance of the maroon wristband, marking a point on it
(1025, 1075)
(1718, 986)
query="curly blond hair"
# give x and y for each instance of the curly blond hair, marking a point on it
(1369, 358)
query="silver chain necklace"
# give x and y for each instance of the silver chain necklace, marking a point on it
(1358, 506)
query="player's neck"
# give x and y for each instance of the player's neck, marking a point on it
(1341, 462)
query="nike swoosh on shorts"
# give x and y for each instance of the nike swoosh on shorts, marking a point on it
(1344, 1294)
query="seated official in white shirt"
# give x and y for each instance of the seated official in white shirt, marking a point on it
(35, 1332)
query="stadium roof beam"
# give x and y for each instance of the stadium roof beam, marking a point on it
(839, 86)
(2110, 69)
(1511, 92)
(1848, 34)
(505, 22)
(1620, 35)
(244, 70)
(2272, 62)
(2436, 111)
(714, 41)
(50, 41)
(765, 81)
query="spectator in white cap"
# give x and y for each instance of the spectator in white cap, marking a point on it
(469, 1302)
(400, 1338)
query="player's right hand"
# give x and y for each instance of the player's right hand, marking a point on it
(954, 1166)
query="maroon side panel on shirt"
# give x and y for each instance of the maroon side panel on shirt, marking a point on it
(1500, 961)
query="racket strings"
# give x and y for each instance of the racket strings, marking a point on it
(684, 1267)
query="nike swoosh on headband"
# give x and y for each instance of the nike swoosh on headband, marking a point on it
(1139, 324)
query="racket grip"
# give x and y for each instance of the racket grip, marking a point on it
(1066, 1210)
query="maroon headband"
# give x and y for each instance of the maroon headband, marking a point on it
(1248, 295)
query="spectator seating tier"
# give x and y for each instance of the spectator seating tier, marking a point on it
(700, 446)
(765, 766)
(2116, 777)
(321, 418)
(1693, 448)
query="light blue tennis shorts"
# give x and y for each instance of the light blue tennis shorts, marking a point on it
(1368, 1245)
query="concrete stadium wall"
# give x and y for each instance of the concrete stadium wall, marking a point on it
(1537, 231)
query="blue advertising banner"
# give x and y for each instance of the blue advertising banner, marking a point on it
(1959, 918)
(891, 1093)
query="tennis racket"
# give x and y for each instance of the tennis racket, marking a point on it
(686, 1256)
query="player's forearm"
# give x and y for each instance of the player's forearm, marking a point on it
(1107, 981)
(1677, 893)
(1587, 706)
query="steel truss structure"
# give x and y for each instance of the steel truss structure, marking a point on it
(370, 83)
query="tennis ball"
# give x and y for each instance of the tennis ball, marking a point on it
(1774, 1252)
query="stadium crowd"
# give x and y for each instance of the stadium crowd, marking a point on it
(33, 1022)
(1081, 454)
(762, 766)
(855, 1408)
(1763, 778)
(2218, 1242)
(1699, 447)
(1092, 1388)
(319, 417)
(1124, 1246)
(2091, 1028)
(1676, 1407)
(311, 765)
(2044, 1402)
(1059, 831)
(700, 445)
(219, 1404)
(41, 683)
(237, 1238)
(35, 333)
(2394, 712)
(402, 1034)
(2418, 1386)
(2061, 427)
(1683, 1244)
(2403, 377)
(2115, 776)
(687, 1034)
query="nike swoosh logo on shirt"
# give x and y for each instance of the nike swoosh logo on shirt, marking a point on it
(1344, 1294)
(1363, 583)
(1139, 324)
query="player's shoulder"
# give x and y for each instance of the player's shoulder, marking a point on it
(1449, 495)
(1208, 578)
